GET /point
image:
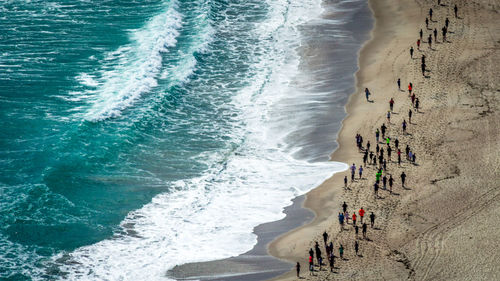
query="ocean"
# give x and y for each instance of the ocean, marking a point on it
(140, 135)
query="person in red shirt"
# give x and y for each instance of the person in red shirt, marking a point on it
(361, 213)
(354, 218)
(311, 265)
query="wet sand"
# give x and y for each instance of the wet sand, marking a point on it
(443, 224)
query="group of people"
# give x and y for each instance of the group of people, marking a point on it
(344, 217)
(371, 158)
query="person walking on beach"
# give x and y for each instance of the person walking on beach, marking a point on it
(391, 104)
(356, 230)
(341, 251)
(318, 254)
(377, 135)
(377, 176)
(367, 94)
(446, 22)
(389, 151)
(403, 177)
(341, 221)
(421, 33)
(410, 88)
(435, 35)
(346, 215)
(430, 14)
(411, 52)
(399, 157)
(423, 58)
(344, 207)
(417, 104)
(371, 157)
(429, 40)
(391, 182)
(427, 23)
(297, 267)
(423, 69)
(361, 213)
(399, 84)
(383, 128)
(325, 237)
(345, 182)
(410, 113)
(384, 182)
(360, 171)
(356, 247)
(443, 31)
(389, 117)
(311, 252)
(372, 219)
(404, 126)
(455, 9)
(375, 189)
(311, 265)
(354, 217)
(364, 230)
(418, 47)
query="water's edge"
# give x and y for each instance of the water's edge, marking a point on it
(258, 264)
(255, 264)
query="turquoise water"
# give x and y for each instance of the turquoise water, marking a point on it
(127, 128)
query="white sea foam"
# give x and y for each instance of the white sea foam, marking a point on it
(133, 69)
(87, 80)
(212, 216)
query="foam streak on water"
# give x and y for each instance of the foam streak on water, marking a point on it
(133, 68)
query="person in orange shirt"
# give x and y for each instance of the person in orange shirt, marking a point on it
(361, 213)
(354, 218)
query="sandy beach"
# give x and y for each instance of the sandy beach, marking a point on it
(443, 224)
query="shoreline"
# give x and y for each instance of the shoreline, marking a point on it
(317, 58)
(408, 245)
(255, 264)
(317, 200)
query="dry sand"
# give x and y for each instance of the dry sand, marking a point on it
(446, 224)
